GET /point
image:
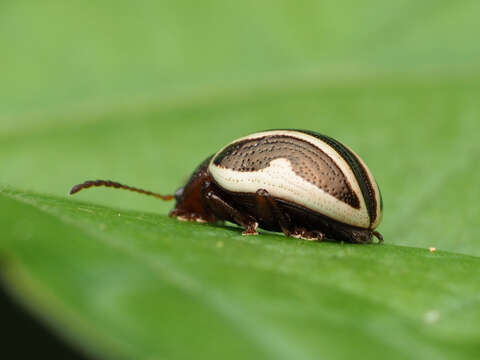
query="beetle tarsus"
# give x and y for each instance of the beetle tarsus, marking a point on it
(302, 233)
(251, 229)
(186, 216)
(378, 236)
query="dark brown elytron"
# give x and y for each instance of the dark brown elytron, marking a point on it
(307, 161)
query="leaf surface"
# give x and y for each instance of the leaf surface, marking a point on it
(142, 285)
(143, 93)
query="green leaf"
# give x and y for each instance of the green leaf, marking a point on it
(140, 285)
(141, 93)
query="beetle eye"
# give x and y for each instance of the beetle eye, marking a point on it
(179, 194)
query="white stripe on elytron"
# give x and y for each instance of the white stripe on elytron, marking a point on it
(327, 149)
(376, 190)
(281, 181)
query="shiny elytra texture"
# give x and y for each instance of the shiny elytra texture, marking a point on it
(307, 161)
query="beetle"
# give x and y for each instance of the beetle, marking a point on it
(299, 182)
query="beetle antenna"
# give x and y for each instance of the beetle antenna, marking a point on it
(108, 183)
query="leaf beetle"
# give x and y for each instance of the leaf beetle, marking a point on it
(302, 183)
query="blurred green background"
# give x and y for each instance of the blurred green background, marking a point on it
(141, 92)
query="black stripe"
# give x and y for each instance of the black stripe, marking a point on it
(381, 198)
(360, 173)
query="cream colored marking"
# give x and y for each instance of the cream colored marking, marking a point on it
(281, 181)
(334, 208)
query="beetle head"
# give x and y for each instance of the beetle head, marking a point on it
(190, 199)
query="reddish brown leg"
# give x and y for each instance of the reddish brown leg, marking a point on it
(189, 216)
(301, 233)
(224, 210)
(269, 209)
(378, 236)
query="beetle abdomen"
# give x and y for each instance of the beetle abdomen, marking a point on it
(304, 168)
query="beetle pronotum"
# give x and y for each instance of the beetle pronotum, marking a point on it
(302, 183)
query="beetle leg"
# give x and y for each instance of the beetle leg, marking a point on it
(302, 233)
(378, 236)
(219, 206)
(268, 208)
(188, 216)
